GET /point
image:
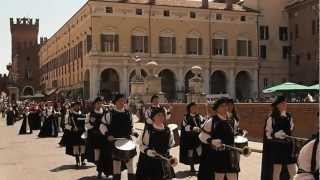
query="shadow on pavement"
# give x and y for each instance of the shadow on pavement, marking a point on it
(88, 178)
(67, 167)
(184, 174)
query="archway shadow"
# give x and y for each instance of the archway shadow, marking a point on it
(184, 174)
(68, 167)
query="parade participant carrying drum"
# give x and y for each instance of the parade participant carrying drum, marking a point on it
(117, 127)
(75, 127)
(100, 150)
(190, 145)
(155, 162)
(218, 162)
(278, 151)
(155, 103)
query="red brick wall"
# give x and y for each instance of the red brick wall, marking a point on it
(253, 116)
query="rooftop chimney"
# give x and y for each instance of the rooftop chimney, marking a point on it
(205, 4)
(229, 5)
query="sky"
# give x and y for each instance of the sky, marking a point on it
(51, 13)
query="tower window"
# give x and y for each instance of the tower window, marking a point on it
(109, 10)
(166, 13)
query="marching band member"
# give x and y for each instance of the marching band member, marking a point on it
(10, 116)
(277, 150)
(75, 145)
(100, 148)
(26, 123)
(308, 161)
(64, 122)
(155, 103)
(217, 159)
(158, 139)
(233, 116)
(50, 126)
(190, 145)
(118, 124)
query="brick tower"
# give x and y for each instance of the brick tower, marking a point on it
(24, 72)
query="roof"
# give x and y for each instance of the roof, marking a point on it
(185, 3)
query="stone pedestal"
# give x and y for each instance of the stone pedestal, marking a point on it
(196, 93)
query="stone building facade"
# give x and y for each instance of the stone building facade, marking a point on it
(91, 54)
(304, 41)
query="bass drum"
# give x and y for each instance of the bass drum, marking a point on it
(124, 149)
(240, 141)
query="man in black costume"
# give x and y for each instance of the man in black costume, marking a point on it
(155, 103)
(26, 123)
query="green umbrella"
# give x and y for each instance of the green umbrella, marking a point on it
(314, 87)
(288, 86)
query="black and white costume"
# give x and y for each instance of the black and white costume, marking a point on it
(26, 124)
(190, 145)
(277, 150)
(50, 126)
(98, 148)
(217, 161)
(308, 161)
(118, 124)
(160, 140)
(75, 127)
(10, 116)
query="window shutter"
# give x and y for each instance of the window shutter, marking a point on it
(173, 45)
(187, 46)
(238, 48)
(116, 43)
(267, 32)
(133, 48)
(200, 46)
(146, 44)
(103, 39)
(225, 47)
(261, 32)
(160, 45)
(212, 47)
(249, 48)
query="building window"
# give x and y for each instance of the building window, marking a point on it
(283, 33)
(309, 56)
(285, 52)
(244, 48)
(220, 47)
(167, 45)
(263, 51)
(139, 44)
(297, 60)
(89, 43)
(313, 27)
(109, 10)
(296, 33)
(109, 43)
(218, 16)
(264, 32)
(194, 46)
(166, 13)
(243, 18)
(139, 12)
(265, 83)
(192, 15)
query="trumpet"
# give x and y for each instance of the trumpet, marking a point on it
(172, 161)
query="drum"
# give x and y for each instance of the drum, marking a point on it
(175, 131)
(240, 141)
(124, 149)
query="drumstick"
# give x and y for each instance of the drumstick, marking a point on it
(297, 138)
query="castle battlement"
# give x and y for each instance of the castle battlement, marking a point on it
(24, 21)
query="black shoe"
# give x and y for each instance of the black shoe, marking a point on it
(77, 162)
(83, 160)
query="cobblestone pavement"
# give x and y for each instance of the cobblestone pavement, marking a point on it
(30, 158)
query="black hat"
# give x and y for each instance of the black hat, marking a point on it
(190, 105)
(98, 99)
(117, 97)
(278, 100)
(154, 97)
(218, 102)
(156, 111)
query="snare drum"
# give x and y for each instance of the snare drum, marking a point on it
(124, 149)
(240, 141)
(175, 131)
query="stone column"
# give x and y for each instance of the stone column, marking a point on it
(231, 84)
(124, 82)
(206, 81)
(94, 82)
(254, 84)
